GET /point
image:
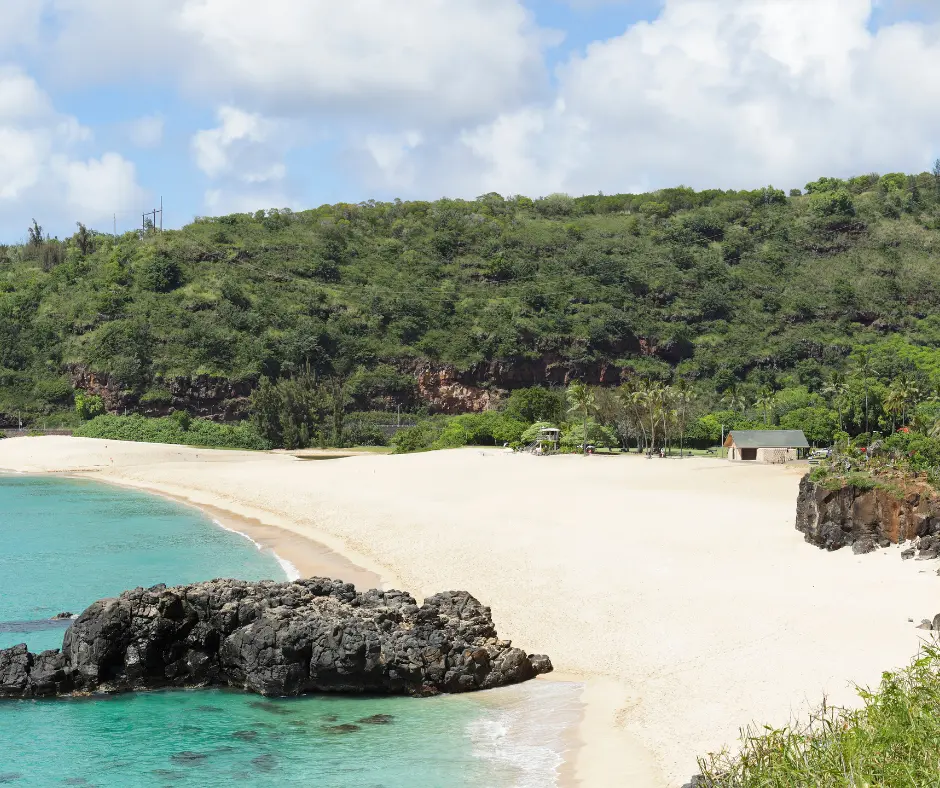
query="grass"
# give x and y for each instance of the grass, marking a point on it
(892, 741)
(834, 479)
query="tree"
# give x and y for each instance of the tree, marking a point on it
(630, 399)
(650, 396)
(536, 404)
(936, 175)
(161, 273)
(895, 402)
(837, 390)
(339, 400)
(864, 368)
(767, 401)
(581, 403)
(289, 413)
(83, 239)
(684, 399)
(735, 398)
(88, 406)
(35, 234)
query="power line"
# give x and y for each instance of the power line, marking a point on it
(153, 222)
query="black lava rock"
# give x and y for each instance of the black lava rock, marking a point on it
(275, 639)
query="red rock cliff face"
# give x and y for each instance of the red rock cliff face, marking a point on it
(444, 389)
(863, 519)
(441, 390)
(206, 396)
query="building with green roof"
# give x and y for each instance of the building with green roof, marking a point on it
(770, 446)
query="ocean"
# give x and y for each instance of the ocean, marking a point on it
(65, 543)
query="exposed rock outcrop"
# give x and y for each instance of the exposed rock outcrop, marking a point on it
(276, 639)
(206, 396)
(867, 518)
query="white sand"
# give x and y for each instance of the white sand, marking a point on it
(680, 587)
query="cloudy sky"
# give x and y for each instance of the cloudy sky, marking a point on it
(234, 105)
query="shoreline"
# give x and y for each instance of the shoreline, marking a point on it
(311, 558)
(680, 593)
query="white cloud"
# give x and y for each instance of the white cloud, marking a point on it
(42, 171)
(147, 132)
(244, 146)
(437, 97)
(220, 202)
(436, 59)
(722, 93)
(390, 154)
(244, 154)
(95, 188)
(433, 57)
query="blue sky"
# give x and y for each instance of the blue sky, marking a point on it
(230, 105)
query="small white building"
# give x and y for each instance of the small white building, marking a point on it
(769, 446)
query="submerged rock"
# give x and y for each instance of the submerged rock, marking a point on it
(275, 639)
(377, 719)
(265, 763)
(346, 727)
(188, 756)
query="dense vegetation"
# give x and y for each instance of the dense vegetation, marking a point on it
(815, 310)
(893, 740)
(177, 429)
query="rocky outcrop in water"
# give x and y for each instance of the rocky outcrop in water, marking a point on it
(275, 639)
(868, 518)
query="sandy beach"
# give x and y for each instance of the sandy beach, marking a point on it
(679, 591)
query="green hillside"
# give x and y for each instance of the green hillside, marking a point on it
(738, 293)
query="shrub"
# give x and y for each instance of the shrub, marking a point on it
(892, 740)
(161, 274)
(363, 434)
(88, 406)
(417, 438)
(198, 432)
(573, 437)
(536, 404)
(157, 397)
(532, 433)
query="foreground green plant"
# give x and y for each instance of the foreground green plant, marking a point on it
(892, 741)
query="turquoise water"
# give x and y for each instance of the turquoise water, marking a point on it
(215, 737)
(65, 543)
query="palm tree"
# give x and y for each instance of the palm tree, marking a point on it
(651, 395)
(666, 413)
(837, 390)
(684, 398)
(895, 402)
(766, 401)
(581, 402)
(734, 398)
(935, 430)
(865, 370)
(912, 395)
(629, 395)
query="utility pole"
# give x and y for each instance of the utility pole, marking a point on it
(152, 217)
(115, 225)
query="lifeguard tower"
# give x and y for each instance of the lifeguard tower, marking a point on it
(547, 441)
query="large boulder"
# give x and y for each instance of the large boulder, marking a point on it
(275, 639)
